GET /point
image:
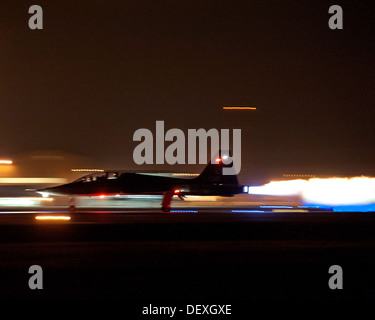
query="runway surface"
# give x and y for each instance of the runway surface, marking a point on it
(204, 254)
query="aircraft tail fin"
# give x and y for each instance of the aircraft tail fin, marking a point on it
(213, 173)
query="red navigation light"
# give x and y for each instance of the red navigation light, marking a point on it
(102, 196)
(218, 160)
(176, 191)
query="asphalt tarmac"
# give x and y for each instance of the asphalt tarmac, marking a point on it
(200, 255)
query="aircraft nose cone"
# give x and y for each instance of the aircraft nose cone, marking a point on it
(46, 192)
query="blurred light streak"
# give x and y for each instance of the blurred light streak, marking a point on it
(87, 170)
(276, 207)
(41, 199)
(140, 196)
(200, 198)
(248, 211)
(23, 212)
(314, 206)
(184, 211)
(293, 210)
(23, 201)
(6, 162)
(31, 180)
(65, 218)
(355, 208)
(109, 211)
(239, 108)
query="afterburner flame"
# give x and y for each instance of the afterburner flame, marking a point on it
(329, 191)
(280, 188)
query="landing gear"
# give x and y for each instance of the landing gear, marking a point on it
(166, 202)
(72, 205)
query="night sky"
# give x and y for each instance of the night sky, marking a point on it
(99, 70)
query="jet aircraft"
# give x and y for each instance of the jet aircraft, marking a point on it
(211, 182)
